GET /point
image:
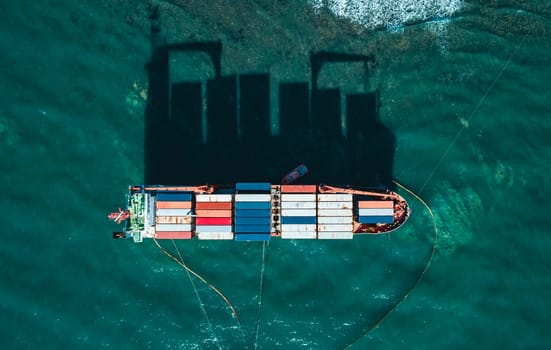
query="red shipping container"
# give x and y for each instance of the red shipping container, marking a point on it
(213, 213)
(174, 235)
(375, 204)
(213, 221)
(298, 188)
(173, 205)
(213, 205)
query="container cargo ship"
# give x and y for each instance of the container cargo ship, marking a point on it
(258, 211)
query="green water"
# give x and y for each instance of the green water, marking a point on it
(468, 101)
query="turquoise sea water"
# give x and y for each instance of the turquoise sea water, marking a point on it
(467, 99)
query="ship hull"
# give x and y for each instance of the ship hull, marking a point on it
(258, 212)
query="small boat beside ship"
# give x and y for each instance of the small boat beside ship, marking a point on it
(294, 174)
(252, 211)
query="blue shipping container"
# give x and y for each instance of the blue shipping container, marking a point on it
(252, 228)
(253, 186)
(298, 220)
(252, 212)
(174, 196)
(252, 205)
(376, 219)
(252, 237)
(262, 220)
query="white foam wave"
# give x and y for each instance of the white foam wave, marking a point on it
(388, 13)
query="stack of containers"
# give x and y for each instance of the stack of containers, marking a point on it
(214, 216)
(298, 211)
(172, 216)
(252, 215)
(335, 216)
(375, 212)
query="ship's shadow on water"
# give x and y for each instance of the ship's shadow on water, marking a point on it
(239, 145)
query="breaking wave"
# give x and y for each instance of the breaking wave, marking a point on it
(384, 13)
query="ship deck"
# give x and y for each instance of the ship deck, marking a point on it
(260, 211)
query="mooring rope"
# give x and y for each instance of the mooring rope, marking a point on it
(476, 108)
(417, 280)
(201, 305)
(181, 263)
(427, 180)
(260, 292)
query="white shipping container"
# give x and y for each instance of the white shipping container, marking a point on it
(215, 235)
(376, 212)
(335, 220)
(172, 227)
(174, 212)
(334, 227)
(253, 197)
(298, 227)
(298, 205)
(334, 212)
(300, 212)
(335, 197)
(174, 219)
(335, 235)
(298, 235)
(213, 228)
(335, 205)
(293, 197)
(213, 198)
